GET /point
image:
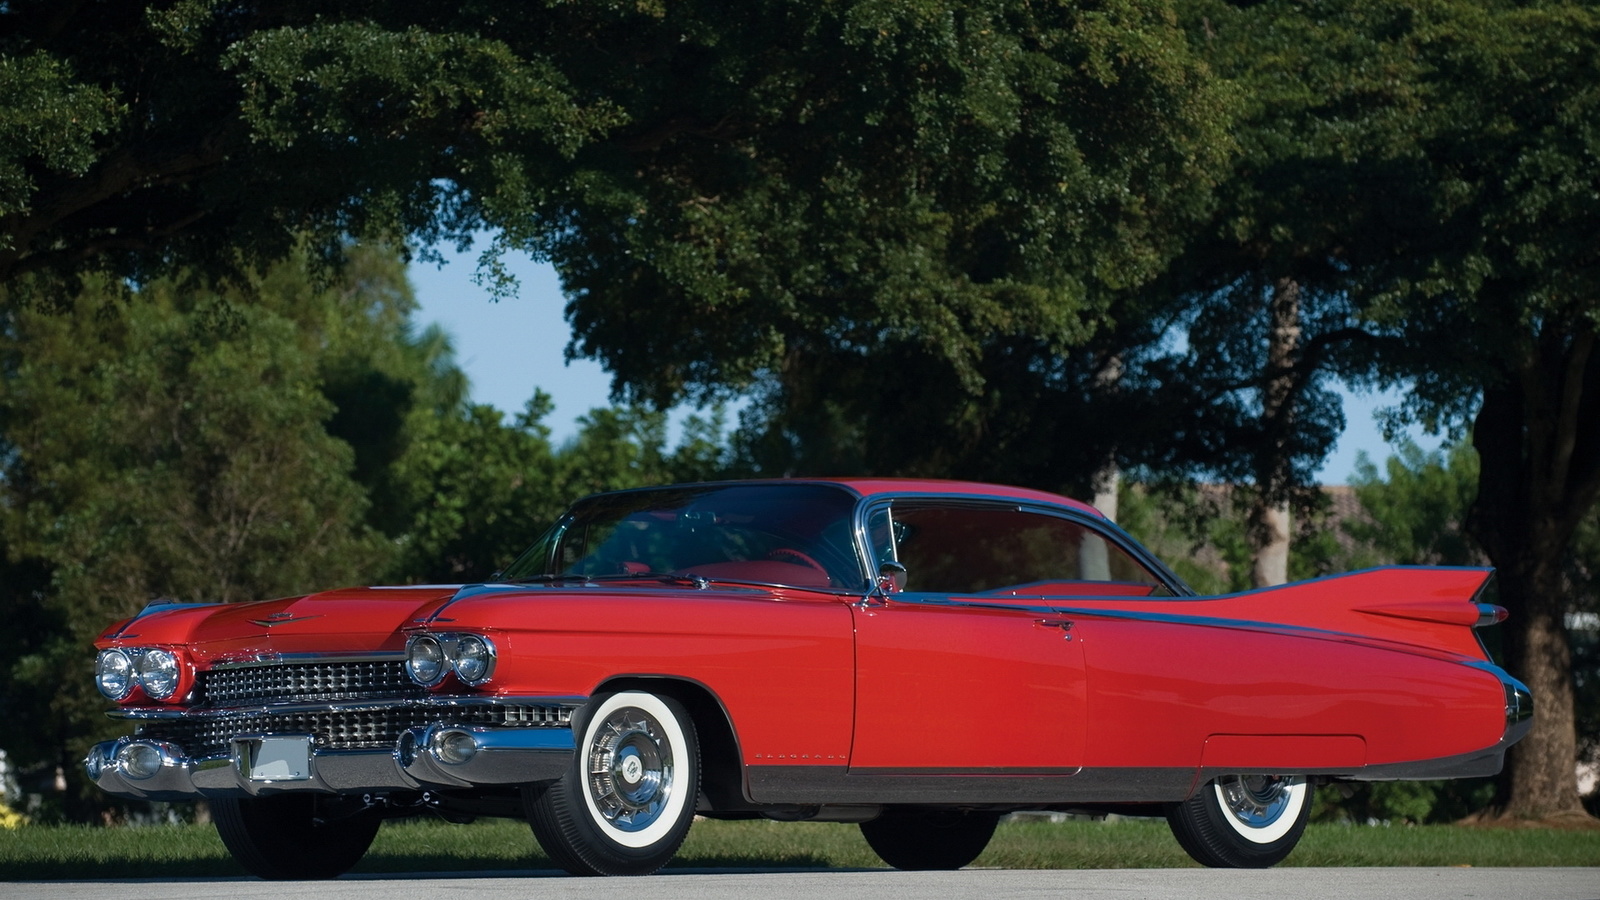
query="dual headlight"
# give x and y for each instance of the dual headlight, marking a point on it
(431, 657)
(118, 671)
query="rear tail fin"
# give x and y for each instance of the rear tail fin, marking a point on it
(1427, 606)
(1433, 607)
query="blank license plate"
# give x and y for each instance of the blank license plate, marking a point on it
(281, 759)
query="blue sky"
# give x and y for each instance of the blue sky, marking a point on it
(512, 346)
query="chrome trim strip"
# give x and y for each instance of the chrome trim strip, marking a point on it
(1020, 789)
(947, 600)
(146, 713)
(156, 606)
(500, 755)
(1489, 614)
(282, 659)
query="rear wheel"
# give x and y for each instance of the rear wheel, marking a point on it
(1243, 821)
(929, 839)
(287, 837)
(626, 804)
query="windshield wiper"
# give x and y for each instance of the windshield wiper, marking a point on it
(570, 577)
(695, 581)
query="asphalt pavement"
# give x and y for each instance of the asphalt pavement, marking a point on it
(871, 884)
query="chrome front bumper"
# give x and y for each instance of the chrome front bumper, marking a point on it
(431, 757)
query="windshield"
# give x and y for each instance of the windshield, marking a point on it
(788, 534)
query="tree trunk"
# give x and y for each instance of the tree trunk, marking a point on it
(1106, 483)
(1538, 441)
(1268, 520)
(1269, 529)
(1542, 777)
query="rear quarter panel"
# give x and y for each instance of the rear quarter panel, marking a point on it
(1160, 691)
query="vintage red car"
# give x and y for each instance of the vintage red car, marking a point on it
(920, 657)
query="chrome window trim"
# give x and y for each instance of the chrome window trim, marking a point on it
(1104, 527)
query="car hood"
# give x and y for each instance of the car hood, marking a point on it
(349, 620)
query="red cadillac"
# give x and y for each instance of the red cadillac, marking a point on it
(919, 657)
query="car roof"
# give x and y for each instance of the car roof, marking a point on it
(872, 486)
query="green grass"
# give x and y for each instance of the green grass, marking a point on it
(75, 852)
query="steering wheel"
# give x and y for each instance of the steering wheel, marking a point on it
(789, 553)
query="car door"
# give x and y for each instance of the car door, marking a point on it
(960, 669)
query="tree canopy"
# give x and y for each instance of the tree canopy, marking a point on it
(717, 184)
(274, 438)
(1440, 184)
(994, 239)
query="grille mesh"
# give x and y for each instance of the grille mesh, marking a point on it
(341, 729)
(350, 680)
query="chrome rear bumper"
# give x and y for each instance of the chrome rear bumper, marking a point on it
(432, 757)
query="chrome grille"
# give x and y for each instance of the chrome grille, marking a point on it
(342, 729)
(343, 680)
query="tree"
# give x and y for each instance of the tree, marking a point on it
(1263, 289)
(1445, 196)
(1501, 271)
(723, 189)
(1417, 506)
(846, 182)
(267, 440)
(1415, 512)
(478, 490)
(172, 447)
(138, 138)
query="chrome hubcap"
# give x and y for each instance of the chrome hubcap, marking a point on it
(630, 769)
(1256, 801)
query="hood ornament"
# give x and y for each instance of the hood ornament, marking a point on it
(282, 618)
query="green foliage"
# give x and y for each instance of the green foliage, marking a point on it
(478, 490)
(1201, 533)
(845, 179)
(1186, 529)
(1416, 512)
(287, 435)
(216, 136)
(718, 185)
(47, 118)
(166, 446)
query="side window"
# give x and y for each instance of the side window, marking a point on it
(972, 550)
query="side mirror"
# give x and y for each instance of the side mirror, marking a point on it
(891, 577)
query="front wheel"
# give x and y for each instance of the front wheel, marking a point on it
(929, 839)
(1243, 821)
(288, 837)
(626, 804)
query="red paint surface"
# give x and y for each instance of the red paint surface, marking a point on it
(1369, 668)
